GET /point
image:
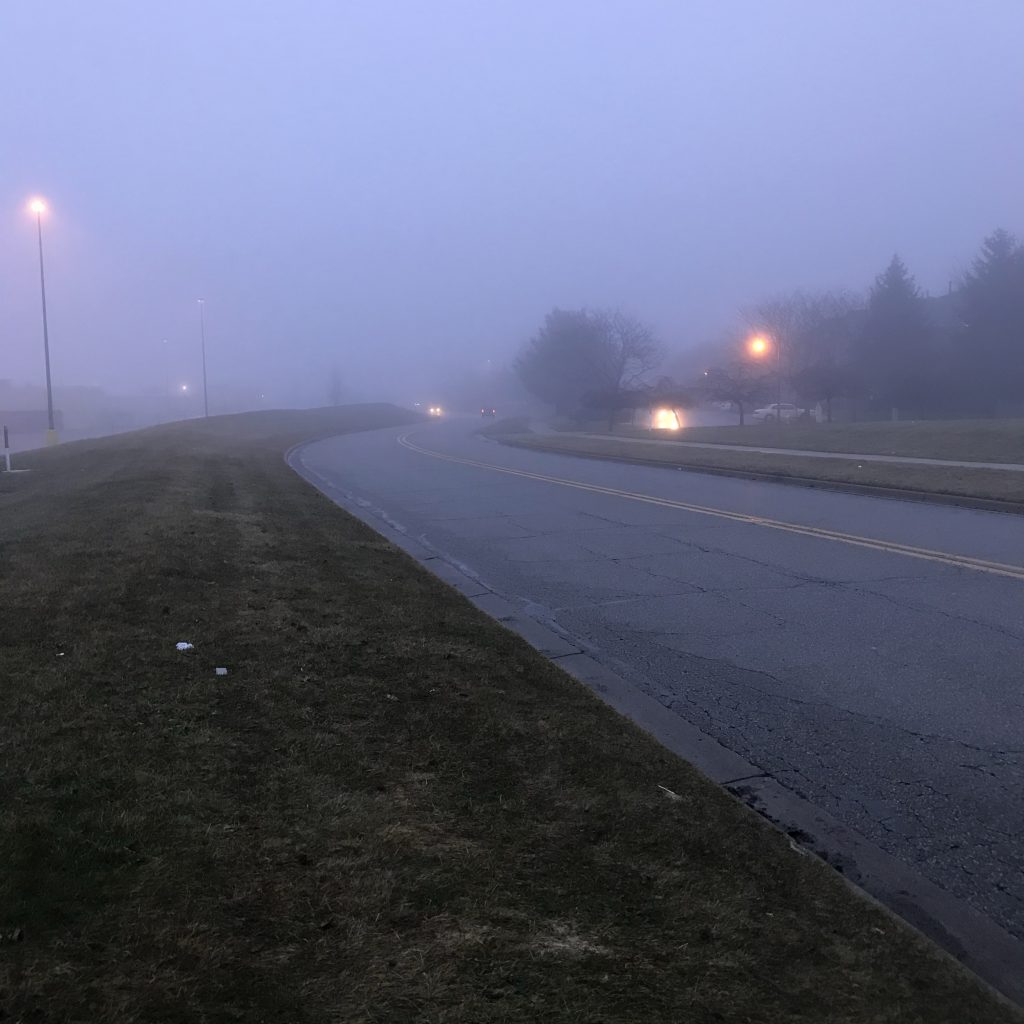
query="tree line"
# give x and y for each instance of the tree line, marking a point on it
(894, 352)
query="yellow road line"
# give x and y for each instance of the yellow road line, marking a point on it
(890, 547)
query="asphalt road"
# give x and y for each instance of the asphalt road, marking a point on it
(867, 653)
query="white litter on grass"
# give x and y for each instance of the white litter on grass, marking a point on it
(183, 645)
(221, 671)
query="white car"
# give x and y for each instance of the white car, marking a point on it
(779, 411)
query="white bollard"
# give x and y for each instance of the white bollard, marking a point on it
(7, 450)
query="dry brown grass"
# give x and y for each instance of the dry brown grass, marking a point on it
(390, 809)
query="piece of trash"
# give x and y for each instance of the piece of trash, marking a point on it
(390, 696)
(668, 792)
(60, 654)
(183, 645)
(221, 671)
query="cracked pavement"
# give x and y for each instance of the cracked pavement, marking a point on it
(887, 690)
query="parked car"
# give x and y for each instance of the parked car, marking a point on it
(488, 413)
(780, 411)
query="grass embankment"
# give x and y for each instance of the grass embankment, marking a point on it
(949, 481)
(390, 809)
(507, 425)
(957, 440)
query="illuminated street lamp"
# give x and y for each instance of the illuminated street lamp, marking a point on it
(38, 207)
(759, 346)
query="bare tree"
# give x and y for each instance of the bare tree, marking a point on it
(821, 367)
(631, 355)
(781, 318)
(813, 334)
(823, 327)
(740, 381)
(633, 352)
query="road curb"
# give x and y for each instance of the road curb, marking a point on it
(967, 935)
(870, 490)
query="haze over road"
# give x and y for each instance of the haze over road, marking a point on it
(882, 683)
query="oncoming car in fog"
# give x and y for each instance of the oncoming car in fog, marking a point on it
(435, 410)
(487, 412)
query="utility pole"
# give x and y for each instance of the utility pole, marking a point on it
(202, 337)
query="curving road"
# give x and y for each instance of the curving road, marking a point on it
(866, 653)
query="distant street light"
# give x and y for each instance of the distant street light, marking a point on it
(758, 346)
(202, 336)
(38, 207)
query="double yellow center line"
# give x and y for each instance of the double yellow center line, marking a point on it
(889, 547)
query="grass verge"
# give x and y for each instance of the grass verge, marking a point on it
(949, 481)
(507, 425)
(958, 440)
(390, 809)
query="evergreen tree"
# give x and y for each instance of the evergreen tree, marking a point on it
(990, 342)
(896, 354)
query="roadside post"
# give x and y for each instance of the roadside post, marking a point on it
(7, 450)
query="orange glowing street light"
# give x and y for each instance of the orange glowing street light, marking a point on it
(759, 346)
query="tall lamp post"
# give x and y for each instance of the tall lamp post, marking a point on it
(38, 207)
(168, 406)
(202, 337)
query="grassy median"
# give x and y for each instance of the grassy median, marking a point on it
(997, 485)
(389, 809)
(958, 440)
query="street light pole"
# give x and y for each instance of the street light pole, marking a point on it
(167, 403)
(37, 207)
(202, 336)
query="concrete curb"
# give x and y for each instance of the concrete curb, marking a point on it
(967, 935)
(871, 490)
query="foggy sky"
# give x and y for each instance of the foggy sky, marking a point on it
(405, 188)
